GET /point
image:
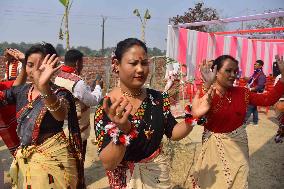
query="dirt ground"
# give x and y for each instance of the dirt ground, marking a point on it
(266, 159)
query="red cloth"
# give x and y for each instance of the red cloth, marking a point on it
(8, 112)
(13, 71)
(9, 124)
(226, 117)
(68, 69)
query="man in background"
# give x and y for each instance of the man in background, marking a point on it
(256, 84)
(69, 78)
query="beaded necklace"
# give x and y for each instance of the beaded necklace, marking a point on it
(132, 95)
(30, 105)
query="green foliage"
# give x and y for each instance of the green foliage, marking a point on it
(136, 12)
(147, 15)
(155, 52)
(20, 46)
(266, 23)
(199, 13)
(64, 2)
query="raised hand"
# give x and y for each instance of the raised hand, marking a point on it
(280, 63)
(208, 75)
(117, 114)
(42, 72)
(18, 55)
(201, 105)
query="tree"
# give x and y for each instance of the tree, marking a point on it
(60, 49)
(88, 52)
(197, 14)
(147, 16)
(155, 52)
(67, 4)
(267, 23)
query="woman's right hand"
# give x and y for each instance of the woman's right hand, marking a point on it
(43, 71)
(18, 55)
(117, 114)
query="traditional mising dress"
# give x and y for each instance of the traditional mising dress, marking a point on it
(144, 164)
(224, 158)
(8, 122)
(46, 158)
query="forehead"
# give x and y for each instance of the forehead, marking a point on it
(34, 57)
(228, 63)
(134, 52)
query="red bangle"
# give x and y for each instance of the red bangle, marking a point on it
(189, 119)
(118, 137)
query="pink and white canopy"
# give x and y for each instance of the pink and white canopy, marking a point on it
(190, 47)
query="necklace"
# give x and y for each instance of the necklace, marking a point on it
(132, 95)
(224, 95)
(30, 105)
(148, 131)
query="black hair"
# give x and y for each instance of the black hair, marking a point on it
(260, 62)
(220, 61)
(44, 49)
(72, 56)
(124, 45)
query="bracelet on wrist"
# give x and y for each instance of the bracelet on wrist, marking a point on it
(205, 89)
(53, 104)
(118, 136)
(189, 119)
(54, 109)
(45, 96)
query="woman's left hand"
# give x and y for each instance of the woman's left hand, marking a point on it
(42, 72)
(208, 75)
(201, 105)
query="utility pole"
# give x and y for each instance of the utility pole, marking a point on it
(103, 35)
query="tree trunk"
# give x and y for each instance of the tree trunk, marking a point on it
(67, 28)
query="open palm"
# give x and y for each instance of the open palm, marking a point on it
(280, 63)
(42, 72)
(201, 105)
(18, 55)
(208, 75)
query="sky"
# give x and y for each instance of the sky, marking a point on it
(33, 21)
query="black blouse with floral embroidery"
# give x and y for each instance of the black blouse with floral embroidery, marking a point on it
(153, 114)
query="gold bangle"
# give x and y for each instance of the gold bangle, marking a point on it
(45, 96)
(54, 109)
(52, 105)
(204, 88)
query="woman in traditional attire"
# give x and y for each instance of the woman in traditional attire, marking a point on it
(131, 122)
(224, 158)
(8, 122)
(46, 158)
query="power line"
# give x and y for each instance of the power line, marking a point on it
(32, 13)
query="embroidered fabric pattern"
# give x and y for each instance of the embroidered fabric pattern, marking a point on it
(166, 105)
(135, 121)
(99, 126)
(101, 129)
